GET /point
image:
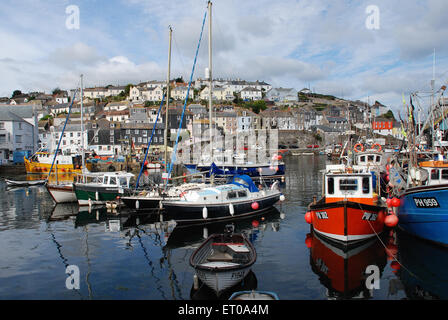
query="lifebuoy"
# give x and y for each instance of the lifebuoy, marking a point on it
(357, 149)
(377, 145)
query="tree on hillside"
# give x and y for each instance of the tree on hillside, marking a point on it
(389, 115)
(57, 91)
(16, 93)
(128, 88)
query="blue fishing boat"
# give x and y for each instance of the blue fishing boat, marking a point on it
(423, 210)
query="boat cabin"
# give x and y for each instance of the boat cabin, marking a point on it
(436, 172)
(369, 159)
(113, 179)
(216, 194)
(350, 186)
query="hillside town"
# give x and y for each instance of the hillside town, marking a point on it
(120, 119)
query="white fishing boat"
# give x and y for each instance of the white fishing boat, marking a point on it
(223, 260)
(212, 203)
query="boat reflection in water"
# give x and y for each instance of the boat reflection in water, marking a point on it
(343, 270)
(203, 292)
(193, 236)
(422, 268)
(63, 211)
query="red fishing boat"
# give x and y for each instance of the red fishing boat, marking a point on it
(350, 210)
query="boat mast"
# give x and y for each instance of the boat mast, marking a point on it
(167, 98)
(209, 74)
(432, 98)
(82, 126)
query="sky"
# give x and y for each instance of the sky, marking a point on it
(336, 47)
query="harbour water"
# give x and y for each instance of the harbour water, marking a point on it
(133, 257)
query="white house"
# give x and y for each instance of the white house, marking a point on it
(71, 140)
(251, 93)
(282, 95)
(218, 93)
(180, 93)
(146, 94)
(29, 113)
(16, 134)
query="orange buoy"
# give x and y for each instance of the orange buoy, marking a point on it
(255, 223)
(391, 221)
(396, 202)
(255, 205)
(359, 147)
(309, 217)
(309, 240)
(395, 265)
(389, 202)
(379, 148)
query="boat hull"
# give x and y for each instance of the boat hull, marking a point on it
(219, 280)
(187, 213)
(62, 193)
(142, 203)
(95, 195)
(346, 221)
(423, 213)
(39, 167)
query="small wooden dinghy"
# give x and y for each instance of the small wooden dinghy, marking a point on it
(24, 183)
(223, 260)
(254, 295)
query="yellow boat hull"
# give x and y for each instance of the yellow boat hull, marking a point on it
(37, 167)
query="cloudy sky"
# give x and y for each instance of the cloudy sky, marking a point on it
(324, 45)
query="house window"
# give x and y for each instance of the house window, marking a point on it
(128, 131)
(18, 139)
(96, 139)
(2, 138)
(2, 125)
(20, 125)
(112, 139)
(94, 125)
(136, 131)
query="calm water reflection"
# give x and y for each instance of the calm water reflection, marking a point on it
(123, 256)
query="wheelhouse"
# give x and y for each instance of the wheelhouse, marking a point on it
(437, 172)
(369, 159)
(113, 179)
(344, 186)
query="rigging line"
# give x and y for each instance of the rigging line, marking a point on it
(179, 53)
(62, 134)
(149, 142)
(173, 155)
(150, 263)
(388, 251)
